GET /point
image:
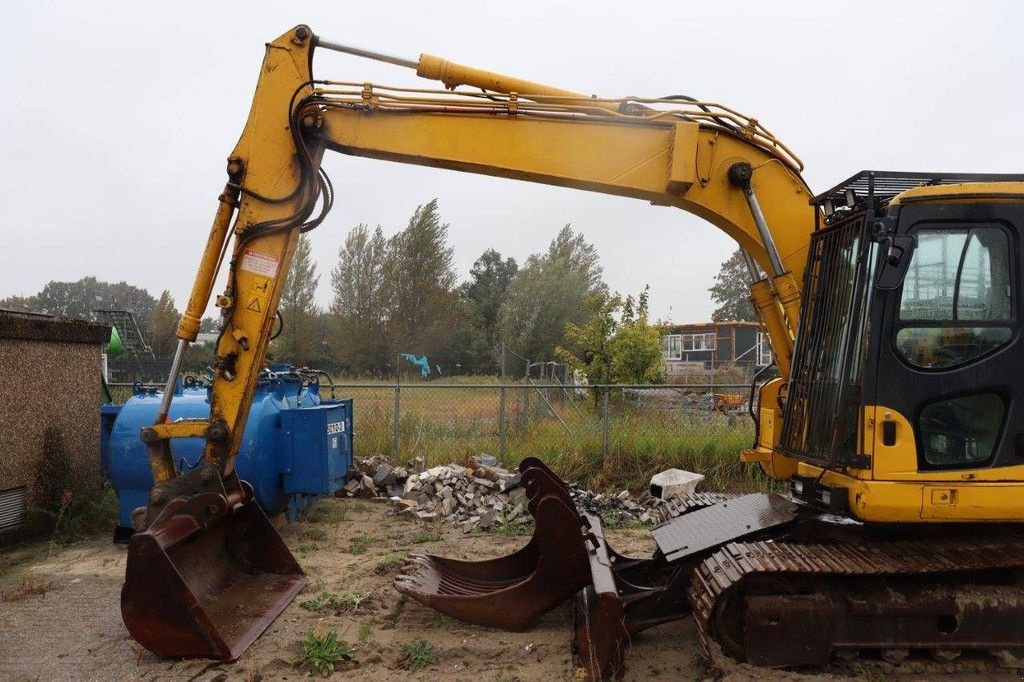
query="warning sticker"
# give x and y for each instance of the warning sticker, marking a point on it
(254, 305)
(260, 286)
(259, 263)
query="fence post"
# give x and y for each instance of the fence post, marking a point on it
(526, 397)
(604, 450)
(501, 409)
(398, 414)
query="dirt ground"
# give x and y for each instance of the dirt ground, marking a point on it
(60, 616)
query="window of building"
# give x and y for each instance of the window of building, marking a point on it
(705, 341)
(764, 350)
(671, 347)
(957, 300)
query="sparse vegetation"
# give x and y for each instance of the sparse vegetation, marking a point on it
(365, 632)
(325, 511)
(417, 655)
(30, 584)
(330, 601)
(440, 621)
(361, 543)
(389, 564)
(322, 653)
(427, 536)
(317, 534)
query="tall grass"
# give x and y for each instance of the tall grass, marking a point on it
(443, 427)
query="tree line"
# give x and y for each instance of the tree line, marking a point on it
(401, 295)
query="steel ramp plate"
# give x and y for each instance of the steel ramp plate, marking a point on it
(724, 522)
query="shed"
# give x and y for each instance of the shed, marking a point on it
(50, 371)
(712, 344)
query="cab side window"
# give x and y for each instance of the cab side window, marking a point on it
(957, 303)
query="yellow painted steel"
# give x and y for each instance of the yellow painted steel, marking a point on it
(968, 191)
(677, 164)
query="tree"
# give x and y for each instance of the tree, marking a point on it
(359, 310)
(617, 344)
(298, 341)
(79, 299)
(731, 291)
(421, 277)
(163, 323)
(551, 291)
(477, 339)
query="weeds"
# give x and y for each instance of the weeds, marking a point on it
(365, 632)
(330, 601)
(30, 584)
(389, 564)
(317, 534)
(426, 537)
(361, 543)
(325, 511)
(306, 548)
(322, 653)
(417, 655)
(440, 621)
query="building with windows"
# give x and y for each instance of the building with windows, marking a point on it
(712, 344)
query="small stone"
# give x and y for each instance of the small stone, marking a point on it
(417, 465)
(488, 460)
(423, 515)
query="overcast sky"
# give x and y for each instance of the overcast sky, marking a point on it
(117, 119)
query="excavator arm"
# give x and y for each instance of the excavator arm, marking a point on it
(699, 157)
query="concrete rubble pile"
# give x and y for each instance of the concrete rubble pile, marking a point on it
(480, 494)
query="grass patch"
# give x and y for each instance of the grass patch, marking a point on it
(306, 548)
(325, 511)
(30, 584)
(390, 564)
(330, 601)
(417, 655)
(361, 543)
(440, 621)
(317, 534)
(426, 537)
(365, 633)
(322, 653)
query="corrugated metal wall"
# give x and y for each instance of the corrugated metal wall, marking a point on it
(12, 508)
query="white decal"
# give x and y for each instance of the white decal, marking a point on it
(336, 427)
(259, 263)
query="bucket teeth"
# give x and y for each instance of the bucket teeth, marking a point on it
(566, 555)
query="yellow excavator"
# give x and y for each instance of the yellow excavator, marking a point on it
(891, 302)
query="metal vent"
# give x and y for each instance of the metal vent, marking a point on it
(12, 508)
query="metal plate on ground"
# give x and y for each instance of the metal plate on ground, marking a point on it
(721, 523)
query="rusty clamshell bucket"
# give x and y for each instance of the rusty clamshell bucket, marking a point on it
(207, 577)
(567, 554)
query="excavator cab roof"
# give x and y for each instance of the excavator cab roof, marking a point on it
(872, 188)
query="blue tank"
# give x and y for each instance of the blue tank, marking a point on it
(295, 448)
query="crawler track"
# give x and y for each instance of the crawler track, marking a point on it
(789, 604)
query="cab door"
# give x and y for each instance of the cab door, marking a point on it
(948, 355)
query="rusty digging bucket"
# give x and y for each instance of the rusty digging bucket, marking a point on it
(566, 555)
(207, 577)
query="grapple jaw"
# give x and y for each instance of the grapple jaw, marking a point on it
(207, 577)
(566, 555)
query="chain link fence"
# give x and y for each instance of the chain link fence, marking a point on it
(611, 435)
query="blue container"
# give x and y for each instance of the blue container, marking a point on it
(295, 448)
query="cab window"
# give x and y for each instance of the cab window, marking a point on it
(957, 300)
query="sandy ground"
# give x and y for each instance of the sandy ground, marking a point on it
(60, 618)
